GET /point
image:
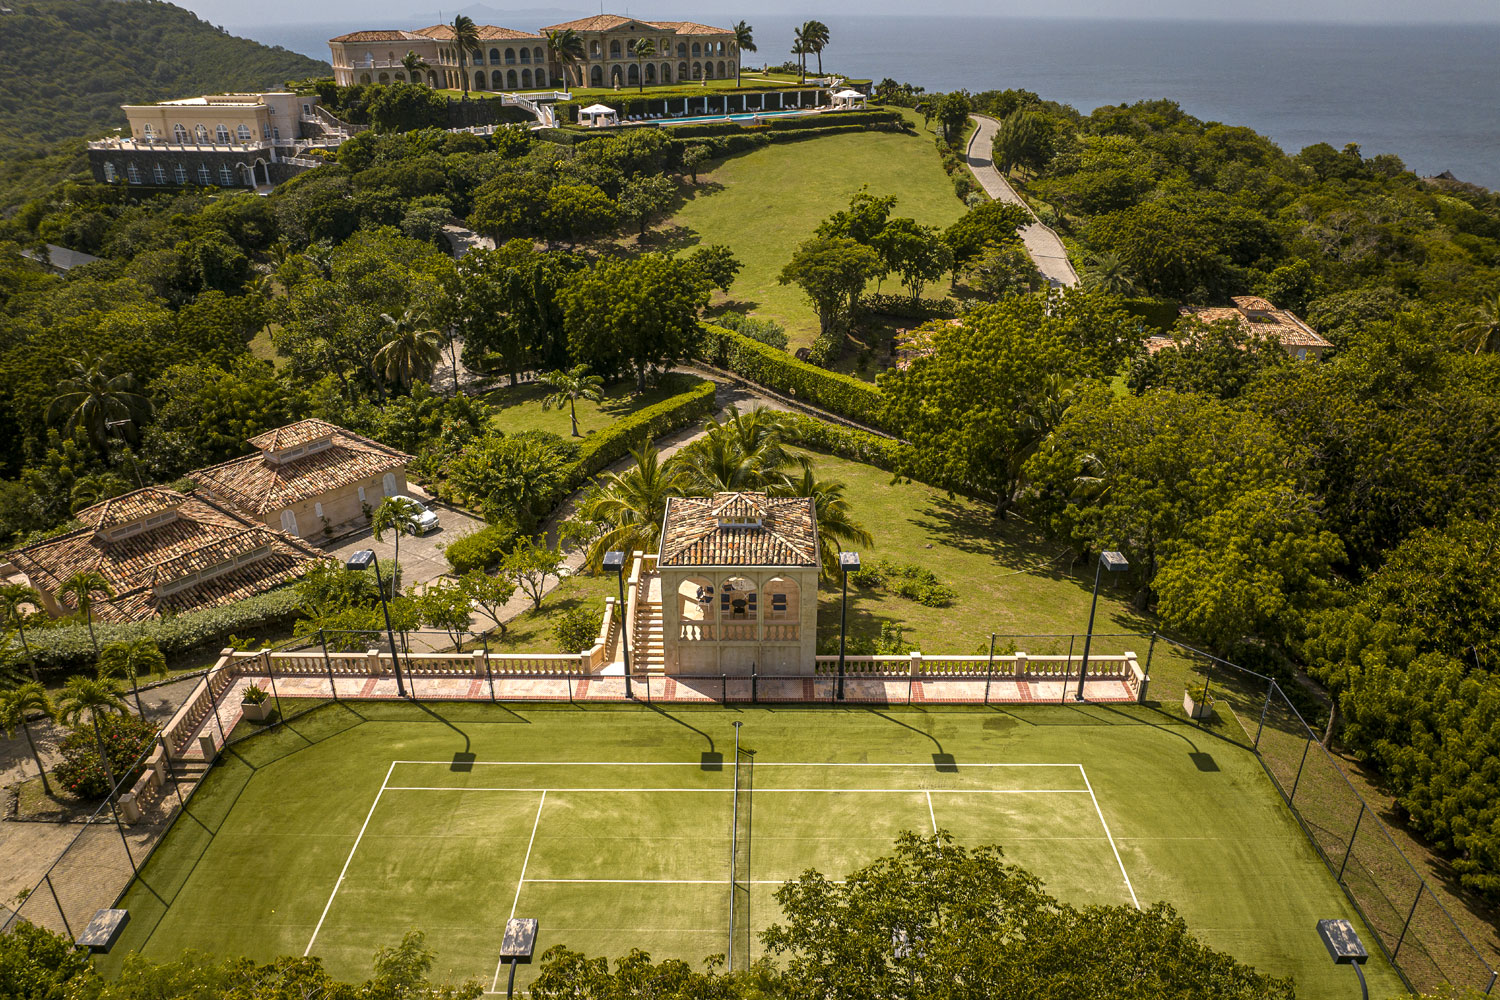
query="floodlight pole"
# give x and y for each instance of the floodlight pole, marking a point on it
(389, 632)
(1116, 563)
(1364, 987)
(847, 561)
(617, 561)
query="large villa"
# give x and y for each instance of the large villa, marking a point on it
(507, 59)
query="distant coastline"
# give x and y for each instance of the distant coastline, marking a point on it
(1429, 94)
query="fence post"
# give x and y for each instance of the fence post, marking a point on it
(125, 841)
(213, 702)
(1150, 651)
(724, 689)
(1350, 849)
(271, 672)
(333, 688)
(58, 903)
(166, 756)
(1409, 914)
(989, 670)
(1298, 780)
(754, 685)
(1207, 678)
(1068, 671)
(1270, 686)
(490, 674)
(1490, 986)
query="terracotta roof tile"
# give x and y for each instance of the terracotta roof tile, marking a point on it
(292, 435)
(256, 485)
(129, 507)
(1252, 302)
(391, 35)
(692, 534)
(487, 32)
(203, 536)
(691, 28)
(598, 22)
(1280, 325)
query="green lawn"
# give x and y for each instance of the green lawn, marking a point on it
(519, 408)
(319, 835)
(763, 203)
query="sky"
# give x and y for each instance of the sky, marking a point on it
(1352, 11)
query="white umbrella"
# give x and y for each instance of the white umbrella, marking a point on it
(848, 94)
(598, 109)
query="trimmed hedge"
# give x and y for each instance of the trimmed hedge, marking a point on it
(779, 371)
(67, 647)
(481, 550)
(859, 446)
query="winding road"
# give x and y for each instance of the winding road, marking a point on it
(1046, 250)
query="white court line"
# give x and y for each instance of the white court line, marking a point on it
(697, 764)
(1112, 846)
(758, 791)
(326, 906)
(648, 881)
(495, 984)
(931, 813)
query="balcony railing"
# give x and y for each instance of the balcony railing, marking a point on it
(165, 145)
(738, 632)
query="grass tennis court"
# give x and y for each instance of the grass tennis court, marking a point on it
(340, 831)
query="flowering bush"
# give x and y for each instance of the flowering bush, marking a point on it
(126, 738)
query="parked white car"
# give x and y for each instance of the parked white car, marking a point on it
(426, 519)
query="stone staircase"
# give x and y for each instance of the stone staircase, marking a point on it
(647, 649)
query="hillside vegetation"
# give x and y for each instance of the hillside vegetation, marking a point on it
(70, 64)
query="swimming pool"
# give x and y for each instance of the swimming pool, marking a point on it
(745, 117)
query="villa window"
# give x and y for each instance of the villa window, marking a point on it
(697, 50)
(226, 175)
(180, 133)
(317, 510)
(109, 172)
(245, 134)
(536, 54)
(148, 132)
(205, 177)
(201, 131)
(132, 174)
(682, 50)
(614, 50)
(525, 55)
(179, 173)
(221, 134)
(159, 173)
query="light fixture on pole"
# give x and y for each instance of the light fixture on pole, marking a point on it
(848, 563)
(1345, 948)
(1115, 563)
(614, 562)
(359, 562)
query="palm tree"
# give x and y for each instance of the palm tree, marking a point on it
(566, 47)
(815, 36)
(744, 41)
(466, 40)
(1482, 330)
(14, 597)
(836, 526)
(571, 386)
(91, 400)
(92, 697)
(629, 506)
(715, 464)
(1108, 273)
(414, 66)
(131, 659)
(411, 349)
(82, 586)
(15, 705)
(644, 48)
(396, 514)
(800, 49)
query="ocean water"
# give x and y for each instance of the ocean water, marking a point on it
(1429, 94)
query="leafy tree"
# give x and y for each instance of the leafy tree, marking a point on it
(1109, 274)
(990, 222)
(1003, 269)
(953, 116)
(640, 314)
(529, 564)
(1025, 139)
(89, 697)
(915, 252)
(628, 507)
(646, 198)
(488, 595)
(130, 659)
(397, 515)
(507, 301)
(575, 212)
(445, 606)
(836, 524)
(744, 41)
(402, 107)
(642, 49)
(90, 401)
(716, 265)
(832, 272)
(693, 159)
(517, 477)
(976, 404)
(1481, 330)
(14, 598)
(576, 629)
(16, 705)
(82, 586)
(411, 350)
(568, 387)
(510, 206)
(864, 219)
(1218, 359)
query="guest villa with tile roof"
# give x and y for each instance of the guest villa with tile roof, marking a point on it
(1262, 317)
(309, 479)
(163, 552)
(510, 60)
(734, 587)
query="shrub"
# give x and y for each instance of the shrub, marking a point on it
(904, 307)
(914, 583)
(67, 647)
(255, 695)
(826, 347)
(766, 331)
(780, 372)
(576, 629)
(483, 549)
(125, 737)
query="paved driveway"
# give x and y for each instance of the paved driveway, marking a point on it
(421, 560)
(1044, 246)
